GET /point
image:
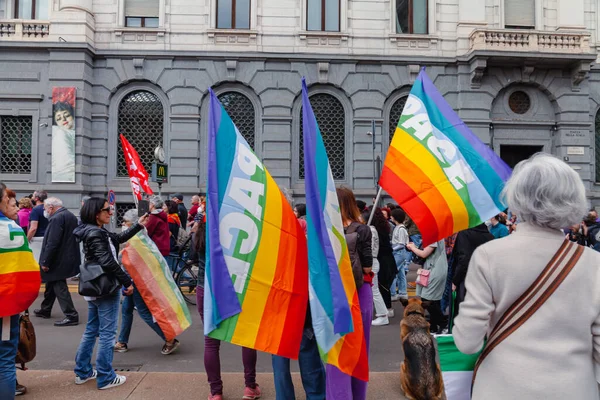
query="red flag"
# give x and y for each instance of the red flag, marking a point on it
(137, 173)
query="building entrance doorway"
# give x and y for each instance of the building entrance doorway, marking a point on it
(513, 154)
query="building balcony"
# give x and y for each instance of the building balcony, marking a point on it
(18, 29)
(530, 41)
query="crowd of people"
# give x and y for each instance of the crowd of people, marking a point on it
(392, 261)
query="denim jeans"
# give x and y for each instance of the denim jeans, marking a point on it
(129, 302)
(402, 258)
(418, 241)
(103, 314)
(8, 352)
(312, 371)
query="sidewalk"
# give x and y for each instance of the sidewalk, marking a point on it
(60, 385)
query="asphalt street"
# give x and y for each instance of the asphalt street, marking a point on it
(56, 346)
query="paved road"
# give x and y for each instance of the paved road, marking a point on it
(56, 346)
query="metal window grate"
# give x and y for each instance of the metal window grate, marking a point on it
(597, 138)
(141, 120)
(395, 114)
(519, 102)
(15, 152)
(332, 122)
(122, 208)
(241, 111)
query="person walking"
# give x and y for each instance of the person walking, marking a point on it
(436, 263)
(11, 235)
(158, 227)
(37, 223)
(340, 385)
(135, 301)
(402, 256)
(25, 207)
(381, 312)
(100, 246)
(181, 210)
(387, 263)
(59, 260)
(550, 345)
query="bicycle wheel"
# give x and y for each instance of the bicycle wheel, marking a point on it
(187, 280)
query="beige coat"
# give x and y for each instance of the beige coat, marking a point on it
(555, 355)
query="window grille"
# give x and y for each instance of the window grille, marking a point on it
(241, 111)
(519, 102)
(395, 114)
(122, 208)
(332, 122)
(141, 121)
(15, 151)
(597, 138)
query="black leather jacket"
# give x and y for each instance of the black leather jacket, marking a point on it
(96, 248)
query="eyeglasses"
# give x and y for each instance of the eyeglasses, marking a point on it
(107, 209)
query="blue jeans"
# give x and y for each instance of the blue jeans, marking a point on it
(402, 258)
(418, 241)
(8, 352)
(311, 371)
(129, 302)
(103, 314)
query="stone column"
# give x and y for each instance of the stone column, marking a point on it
(73, 21)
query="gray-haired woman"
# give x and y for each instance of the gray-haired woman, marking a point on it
(555, 354)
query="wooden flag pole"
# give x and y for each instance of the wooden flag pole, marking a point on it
(375, 205)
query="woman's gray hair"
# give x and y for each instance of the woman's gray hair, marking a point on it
(131, 215)
(156, 201)
(546, 191)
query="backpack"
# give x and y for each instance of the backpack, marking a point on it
(182, 238)
(352, 242)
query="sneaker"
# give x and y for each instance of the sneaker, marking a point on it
(251, 394)
(20, 390)
(121, 347)
(215, 397)
(391, 313)
(118, 381)
(380, 321)
(81, 381)
(170, 348)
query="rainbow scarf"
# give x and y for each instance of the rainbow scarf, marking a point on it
(256, 286)
(19, 272)
(336, 314)
(438, 171)
(154, 280)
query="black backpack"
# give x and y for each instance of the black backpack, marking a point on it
(352, 242)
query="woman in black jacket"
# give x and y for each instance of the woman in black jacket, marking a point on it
(101, 246)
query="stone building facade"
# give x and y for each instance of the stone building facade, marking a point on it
(521, 74)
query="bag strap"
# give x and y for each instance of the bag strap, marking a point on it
(352, 228)
(559, 267)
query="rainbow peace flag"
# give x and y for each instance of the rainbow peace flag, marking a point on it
(256, 286)
(437, 170)
(154, 280)
(334, 305)
(19, 272)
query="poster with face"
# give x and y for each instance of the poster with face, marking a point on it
(63, 134)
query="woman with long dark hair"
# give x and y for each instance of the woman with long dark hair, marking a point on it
(387, 263)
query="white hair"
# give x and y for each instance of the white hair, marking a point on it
(131, 215)
(546, 192)
(156, 201)
(53, 201)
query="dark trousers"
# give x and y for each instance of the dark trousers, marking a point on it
(437, 322)
(59, 290)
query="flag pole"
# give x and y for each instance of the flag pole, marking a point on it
(375, 205)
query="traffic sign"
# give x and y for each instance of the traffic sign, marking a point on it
(160, 172)
(111, 197)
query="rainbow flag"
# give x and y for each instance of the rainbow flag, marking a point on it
(334, 305)
(153, 279)
(19, 272)
(256, 286)
(437, 170)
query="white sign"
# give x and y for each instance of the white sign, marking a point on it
(576, 151)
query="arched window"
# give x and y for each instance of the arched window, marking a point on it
(332, 123)
(141, 121)
(395, 113)
(597, 137)
(241, 111)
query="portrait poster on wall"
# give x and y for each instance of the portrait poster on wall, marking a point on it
(63, 134)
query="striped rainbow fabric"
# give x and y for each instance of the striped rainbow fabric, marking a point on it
(153, 279)
(334, 305)
(256, 286)
(19, 272)
(437, 170)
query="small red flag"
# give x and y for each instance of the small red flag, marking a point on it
(137, 173)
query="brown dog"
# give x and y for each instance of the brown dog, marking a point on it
(420, 374)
